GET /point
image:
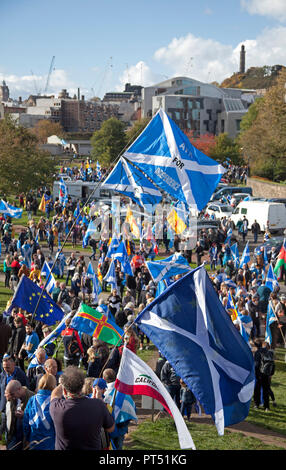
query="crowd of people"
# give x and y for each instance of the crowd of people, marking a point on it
(42, 396)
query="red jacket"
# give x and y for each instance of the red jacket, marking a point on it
(71, 331)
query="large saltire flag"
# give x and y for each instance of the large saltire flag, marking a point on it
(97, 324)
(165, 154)
(176, 223)
(168, 267)
(11, 211)
(91, 232)
(191, 328)
(135, 377)
(27, 297)
(281, 261)
(127, 179)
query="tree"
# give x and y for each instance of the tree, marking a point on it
(264, 140)
(205, 142)
(45, 128)
(108, 141)
(136, 130)
(23, 164)
(226, 148)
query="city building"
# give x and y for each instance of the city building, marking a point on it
(198, 107)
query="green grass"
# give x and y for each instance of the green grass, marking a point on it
(5, 295)
(162, 435)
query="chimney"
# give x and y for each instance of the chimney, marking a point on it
(242, 60)
(78, 94)
(82, 97)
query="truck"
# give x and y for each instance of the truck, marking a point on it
(271, 215)
(78, 189)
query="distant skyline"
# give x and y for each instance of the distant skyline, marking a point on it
(101, 45)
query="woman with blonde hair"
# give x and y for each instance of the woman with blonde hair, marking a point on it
(38, 426)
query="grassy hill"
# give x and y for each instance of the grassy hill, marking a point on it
(254, 78)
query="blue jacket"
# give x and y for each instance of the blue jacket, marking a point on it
(37, 421)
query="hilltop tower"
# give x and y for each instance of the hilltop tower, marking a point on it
(242, 60)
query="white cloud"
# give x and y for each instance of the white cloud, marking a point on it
(272, 8)
(209, 60)
(32, 84)
(139, 74)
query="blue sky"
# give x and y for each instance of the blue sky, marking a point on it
(100, 45)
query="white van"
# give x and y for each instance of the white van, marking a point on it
(262, 212)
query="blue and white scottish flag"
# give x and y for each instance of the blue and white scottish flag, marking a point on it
(165, 154)
(91, 231)
(168, 267)
(50, 280)
(245, 257)
(270, 318)
(120, 254)
(128, 180)
(110, 277)
(271, 279)
(191, 328)
(235, 255)
(11, 211)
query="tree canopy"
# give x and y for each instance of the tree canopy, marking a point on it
(263, 133)
(108, 141)
(45, 128)
(23, 164)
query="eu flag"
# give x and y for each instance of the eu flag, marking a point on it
(27, 296)
(191, 328)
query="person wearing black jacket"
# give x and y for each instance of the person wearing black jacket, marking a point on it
(254, 312)
(17, 339)
(171, 381)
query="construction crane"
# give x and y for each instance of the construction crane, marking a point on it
(49, 75)
(35, 84)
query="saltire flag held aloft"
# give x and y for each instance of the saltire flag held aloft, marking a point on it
(27, 296)
(63, 193)
(191, 328)
(91, 231)
(50, 280)
(270, 318)
(281, 261)
(98, 171)
(120, 254)
(135, 377)
(11, 211)
(271, 279)
(245, 257)
(128, 180)
(165, 154)
(168, 267)
(97, 324)
(110, 277)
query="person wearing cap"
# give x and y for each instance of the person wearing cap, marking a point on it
(99, 386)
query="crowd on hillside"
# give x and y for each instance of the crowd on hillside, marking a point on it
(42, 397)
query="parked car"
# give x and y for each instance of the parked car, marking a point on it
(219, 210)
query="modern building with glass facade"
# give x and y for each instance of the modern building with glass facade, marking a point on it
(198, 107)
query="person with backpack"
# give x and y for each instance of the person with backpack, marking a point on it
(73, 349)
(264, 370)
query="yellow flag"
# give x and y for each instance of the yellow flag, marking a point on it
(175, 222)
(132, 222)
(42, 206)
